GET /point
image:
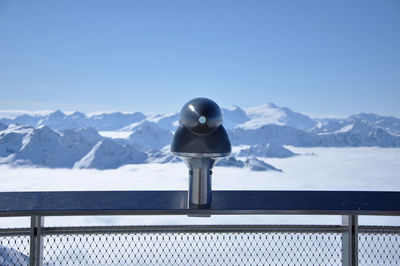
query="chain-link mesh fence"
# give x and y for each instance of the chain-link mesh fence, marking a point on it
(14, 247)
(378, 245)
(201, 245)
(204, 245)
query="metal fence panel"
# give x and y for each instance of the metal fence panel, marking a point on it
(379, 245)
(201, 245)
(172, 247)
(14, 247)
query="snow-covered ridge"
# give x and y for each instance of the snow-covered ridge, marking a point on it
(59, 139)
(234, 117)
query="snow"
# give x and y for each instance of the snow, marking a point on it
(365, 168)
(148, 135)
(345, 129)
(234, 116)
(230, 162)
(269, 150)
(258, 165)
(115, 134)
(107, 154)
(167, 122)
(45, 147)
(361, 135)
(252, 163)
(263, 114)
(273, 114)
(237, 148)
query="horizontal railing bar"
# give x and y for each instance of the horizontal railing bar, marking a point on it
(193, 229)
(175, 203)
(375, 229)
(364, 229)
(6, 232)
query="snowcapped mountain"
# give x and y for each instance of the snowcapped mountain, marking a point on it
(230, 161)
(234, 116)
(54, 120)
(167, 122)
(355, 135)
(57, 139)
(162, 156)
(108, 154)
(26, 119)
(270, 133)
(44, 146)
(270, 150)
(40, 146)
(273, 114)
(387, 123)
(60, 121)
(114, 121)
(148, 135)
(252, 163)
(259, 165)
(79, 142)
(11, 139)
(84, 148)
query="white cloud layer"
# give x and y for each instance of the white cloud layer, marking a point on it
(327, 169)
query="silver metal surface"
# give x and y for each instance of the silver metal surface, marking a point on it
(378, 229)
(36, 242)
(200, 186)
(350, 240)
(220, 228)
(200, 181)
(200, 155)
(200, 177)
(9, 232)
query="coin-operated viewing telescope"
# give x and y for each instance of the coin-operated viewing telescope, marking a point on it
(201, 141)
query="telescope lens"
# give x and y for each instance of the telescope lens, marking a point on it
(202, 119)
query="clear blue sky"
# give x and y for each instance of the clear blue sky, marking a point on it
(319, 57)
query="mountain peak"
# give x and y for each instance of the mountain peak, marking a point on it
(77, 114)
(232, 108)
(57, 113)
(272, 105)
(234, 116)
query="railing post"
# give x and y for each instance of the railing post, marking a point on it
(36, 241)
(350, 240)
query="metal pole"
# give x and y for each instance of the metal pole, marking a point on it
(199, 194)
(350, 240)
(36, 241)
(199, 187)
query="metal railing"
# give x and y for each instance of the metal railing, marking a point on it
(344, 244)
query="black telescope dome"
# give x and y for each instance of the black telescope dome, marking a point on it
(201, 116)
(200, 130)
